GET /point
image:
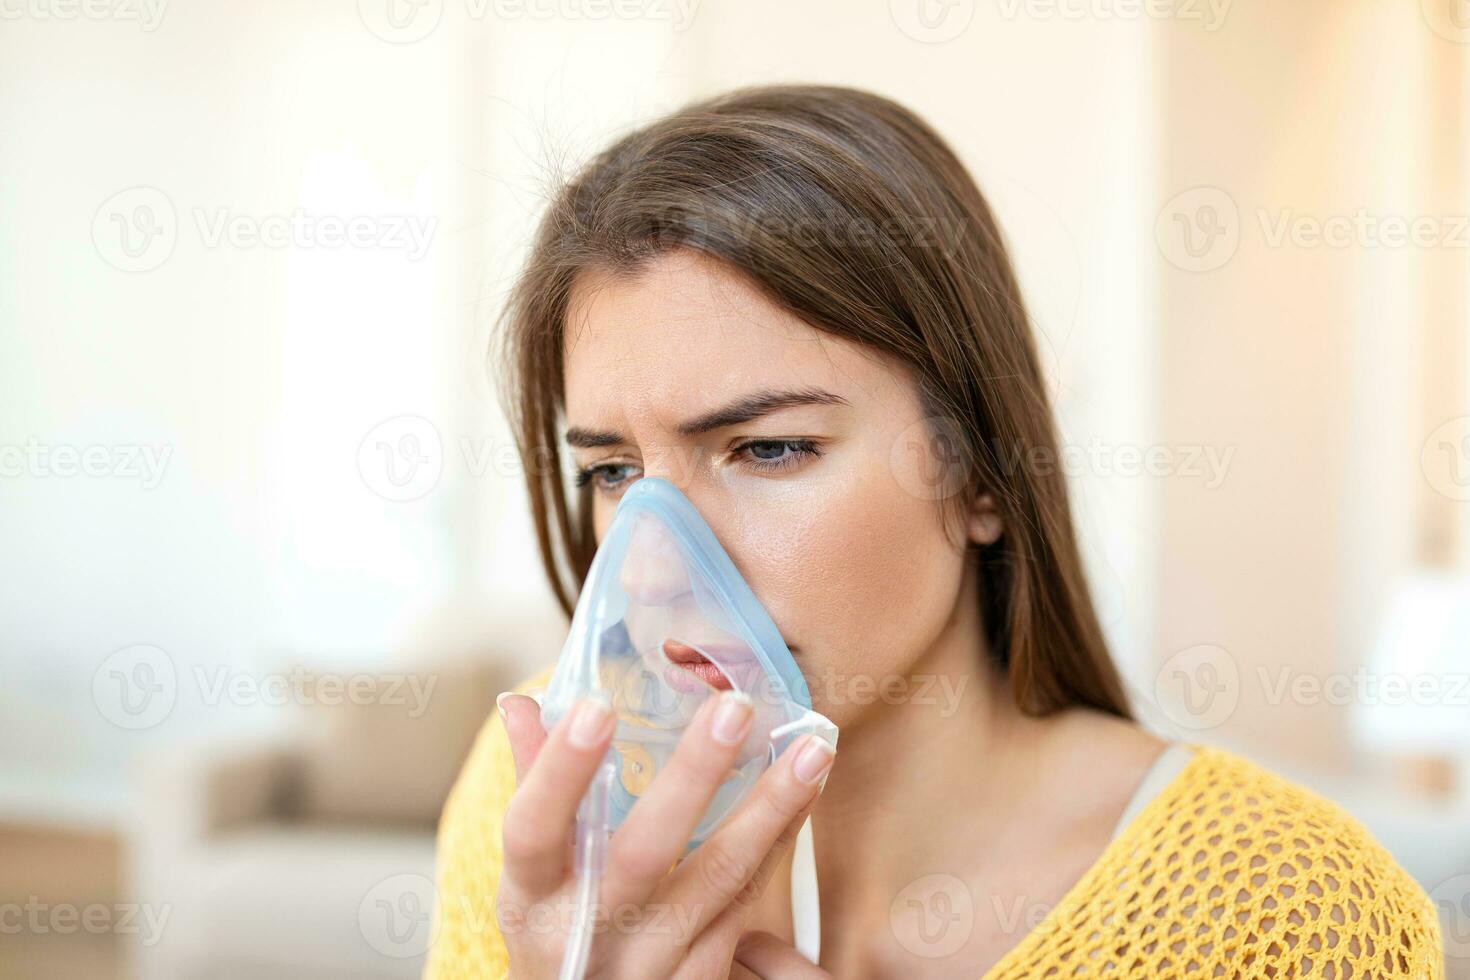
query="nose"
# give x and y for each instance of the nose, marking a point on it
(653, 572)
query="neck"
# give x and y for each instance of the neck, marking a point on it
(955, 744)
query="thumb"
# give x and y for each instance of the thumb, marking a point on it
(522, 718)
(764, 955)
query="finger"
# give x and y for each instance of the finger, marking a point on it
(714, 876)
(659, 826)
(542, 813)
(745, 900)
(522, 718)
(769, 957)
(715, 950)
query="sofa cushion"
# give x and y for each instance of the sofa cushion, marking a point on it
(366, 917)
(386, 748)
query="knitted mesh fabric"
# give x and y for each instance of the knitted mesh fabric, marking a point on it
(1230, 871)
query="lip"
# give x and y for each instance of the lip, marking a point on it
(690, 661)
(683, 677)
(680, 651)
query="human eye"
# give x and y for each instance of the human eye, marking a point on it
(608, 477)
(770, 455)
(762, 455)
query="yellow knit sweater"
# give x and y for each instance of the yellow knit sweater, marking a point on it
(1230, 871)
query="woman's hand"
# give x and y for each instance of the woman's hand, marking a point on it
(654, 919)
(762, 956)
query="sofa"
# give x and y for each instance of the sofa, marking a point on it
(307, 850)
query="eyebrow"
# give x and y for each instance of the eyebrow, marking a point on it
(741, 410)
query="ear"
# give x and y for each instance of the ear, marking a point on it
(984, 525)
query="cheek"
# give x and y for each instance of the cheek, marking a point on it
(859, 577)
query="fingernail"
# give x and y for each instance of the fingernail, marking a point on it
(593, 719)
(500, 703)
(813, 760)
(732, 717)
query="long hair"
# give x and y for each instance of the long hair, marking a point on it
(852, 213)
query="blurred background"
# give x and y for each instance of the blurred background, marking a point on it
(265, 557)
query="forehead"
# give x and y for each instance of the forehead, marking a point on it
(685, 334)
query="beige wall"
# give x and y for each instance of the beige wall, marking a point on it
(1322, 369)
(1322, 365)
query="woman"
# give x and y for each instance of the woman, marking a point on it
(794, 304)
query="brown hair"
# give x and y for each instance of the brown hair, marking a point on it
(849, 211)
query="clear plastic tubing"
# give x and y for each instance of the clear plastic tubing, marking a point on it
(590, 852)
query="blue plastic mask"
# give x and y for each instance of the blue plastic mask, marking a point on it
(663, 622)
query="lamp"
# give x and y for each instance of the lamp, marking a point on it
(1414, 701)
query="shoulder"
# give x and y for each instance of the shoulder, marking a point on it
(466, 940)
(488, 776)
(1099, 761)
(489, 769)
(1266, 869)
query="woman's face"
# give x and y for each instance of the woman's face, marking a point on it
(805, 453)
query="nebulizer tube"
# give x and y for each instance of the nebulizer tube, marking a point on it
(591, 848)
